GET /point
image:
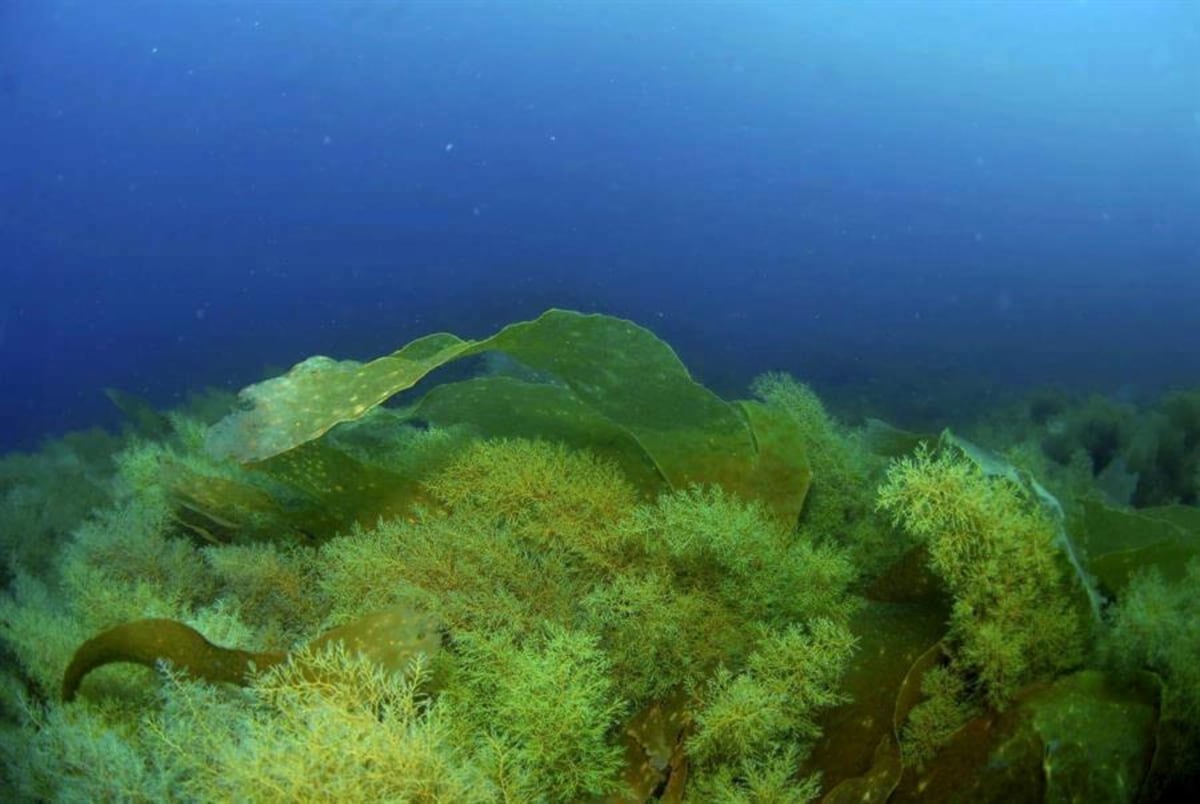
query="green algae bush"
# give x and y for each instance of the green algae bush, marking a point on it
(587, 578)
(1013, 618)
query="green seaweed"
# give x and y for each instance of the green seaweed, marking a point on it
(859, 754)
(1122, 543)
(1085, 737)
(388, 638)
(613, 368)
(995, 466)
(507, 407)
(993, 542)
(630, 592)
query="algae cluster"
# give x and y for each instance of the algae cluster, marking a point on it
(585, 577)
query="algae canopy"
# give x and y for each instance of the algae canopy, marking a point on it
(588, 577)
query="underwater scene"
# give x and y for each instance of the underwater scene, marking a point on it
(688, 401)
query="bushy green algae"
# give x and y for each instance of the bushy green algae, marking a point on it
(558, 525)
(607, 629)
(994, 547)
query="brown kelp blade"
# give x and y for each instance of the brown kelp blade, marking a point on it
(148, 642)
(390, 638)
(612, 368)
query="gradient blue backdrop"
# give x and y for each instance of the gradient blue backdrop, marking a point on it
(889, 196)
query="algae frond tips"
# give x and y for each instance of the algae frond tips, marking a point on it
(288, 410)
(303, 404)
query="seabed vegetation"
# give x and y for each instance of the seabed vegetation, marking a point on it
(573, 573)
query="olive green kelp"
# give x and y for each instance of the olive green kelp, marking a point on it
(612, 386)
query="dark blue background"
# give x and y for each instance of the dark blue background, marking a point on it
(885, 196)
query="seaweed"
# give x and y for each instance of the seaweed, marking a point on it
(1123, 543)
(606, 370)
(592, 577)
(388, 638)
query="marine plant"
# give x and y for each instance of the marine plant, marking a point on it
(1156, 626)
(612, 385)
(587, 577)
(328, 725)
(840, 504)
(994, 547)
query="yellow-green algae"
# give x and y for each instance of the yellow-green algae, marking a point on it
(627, 591)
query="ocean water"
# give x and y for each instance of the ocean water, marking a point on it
(924, 527)
(879, 196)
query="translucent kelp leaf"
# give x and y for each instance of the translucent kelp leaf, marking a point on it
(886, 441)
(302, 405)
(506, 407)
(655, 761)
(1085, 737)
(304, 495)
(1097, 737)
(629, 376)
(390, 638)
(887, 764)
(223, 510)
(858, 753)
(336, 490)
(779, 473)
(1121, 543)
(141, 415)
(622, 372)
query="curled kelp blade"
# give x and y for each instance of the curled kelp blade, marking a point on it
(655, 760)
(615, 370)
(1087, 736)
(150, 641)
(1122, 543)
(390, 638)
(858, 754)
(887, 763)
(508, 407)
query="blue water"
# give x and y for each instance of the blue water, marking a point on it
(883, 196)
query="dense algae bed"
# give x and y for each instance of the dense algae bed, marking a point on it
(588, 577)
